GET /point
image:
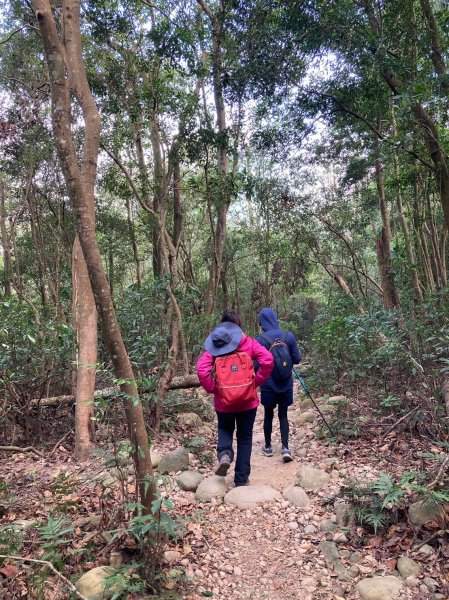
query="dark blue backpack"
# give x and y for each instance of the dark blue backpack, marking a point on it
(283, 363)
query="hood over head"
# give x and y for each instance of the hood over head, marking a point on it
(268, 319)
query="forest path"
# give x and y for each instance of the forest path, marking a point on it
(275, 551)
(271, 551)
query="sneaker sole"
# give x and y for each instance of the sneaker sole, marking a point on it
(265, 454)
(287, 459)
(222, 469)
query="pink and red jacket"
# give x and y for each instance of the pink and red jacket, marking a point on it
(256, 351)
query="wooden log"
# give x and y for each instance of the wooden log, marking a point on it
(177, 383)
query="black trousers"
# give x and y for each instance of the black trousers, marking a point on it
(283, 401)
(244, 423)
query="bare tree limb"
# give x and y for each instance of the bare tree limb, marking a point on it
(51, 567)
(19, 449)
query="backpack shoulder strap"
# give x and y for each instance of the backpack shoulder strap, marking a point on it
(267, 340)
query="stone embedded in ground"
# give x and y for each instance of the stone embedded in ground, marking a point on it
(174, 461)
(336, 399)
(312, 479)
(343, 513)
(407, 567)
(92, 584)
(306, 403)
(421, 512)
(293, 417)
(332, 460)
(330, 552)
(172, 556)
(296, 496)
(248, 496)
(328, 526)
(155, 459)
(189, 480)
(379, 588)
(90, 520)
(212, 487)
(23, 524)
(307, 417)
(205, 431)
(189, 419)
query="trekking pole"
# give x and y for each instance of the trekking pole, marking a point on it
(305, 388)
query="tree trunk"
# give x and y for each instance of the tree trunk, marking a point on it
(7, 270)
(85, 321)
(383, 246)
(223, 200)
(405, 229)
(132, 235)
(80, 184)
(342, 284)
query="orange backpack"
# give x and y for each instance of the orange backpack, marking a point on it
(235, 379)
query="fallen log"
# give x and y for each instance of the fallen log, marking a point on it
(177, 383)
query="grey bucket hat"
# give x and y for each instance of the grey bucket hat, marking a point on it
(224, 339)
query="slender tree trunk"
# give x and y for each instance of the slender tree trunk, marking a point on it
(85, 321)
(7, 269)
(405, 229)
(443, 240)
(80, 184)
(383, 246)
(341, 282)
(223, 200)
(132, 235)
(159, 197)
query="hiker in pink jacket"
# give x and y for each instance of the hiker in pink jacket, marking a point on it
(226, 338)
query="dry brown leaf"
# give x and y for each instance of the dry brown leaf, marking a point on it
(10, 571)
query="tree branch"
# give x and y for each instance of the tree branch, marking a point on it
(51, 567)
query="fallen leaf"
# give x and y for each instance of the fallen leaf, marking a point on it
(9, 571)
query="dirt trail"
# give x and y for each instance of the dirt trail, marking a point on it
(264, 552)
(272, 552)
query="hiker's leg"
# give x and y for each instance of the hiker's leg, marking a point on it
(284, 403)
(245, 423)
(226, 425)
(283, 422)
(268, 405)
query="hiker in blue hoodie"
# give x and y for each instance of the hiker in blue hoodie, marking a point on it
(278, 389)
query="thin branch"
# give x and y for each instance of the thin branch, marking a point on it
(19, 449)
(399, 421)
(51, 567)
(12, 34)
(440, 474)
(128, 177)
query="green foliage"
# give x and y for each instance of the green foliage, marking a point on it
(53, 536)
(11, 540)
(352, 344)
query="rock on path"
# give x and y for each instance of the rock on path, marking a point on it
(172, 462)
(212, 487)
(379, 588)
(248, 496)
(312, 479)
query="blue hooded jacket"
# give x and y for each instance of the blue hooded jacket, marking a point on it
(270, 325)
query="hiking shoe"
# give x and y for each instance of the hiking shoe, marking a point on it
(223, 465)
(286, 455)
(267, 451)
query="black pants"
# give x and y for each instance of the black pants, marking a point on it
(283, 422)
(282, 400)
(244, 422)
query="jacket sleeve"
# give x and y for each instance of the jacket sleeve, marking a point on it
(265, 361)
(204, 368)
(294, 350)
